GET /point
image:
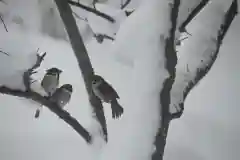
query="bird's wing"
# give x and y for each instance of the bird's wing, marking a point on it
(107, 89)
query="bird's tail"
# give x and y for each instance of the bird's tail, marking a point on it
(37, 113)
(117, 109)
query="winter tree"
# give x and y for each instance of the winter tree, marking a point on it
(163, 62)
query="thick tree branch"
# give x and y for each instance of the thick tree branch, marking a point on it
(92, 10)
(171, 61)
(83, 60)
(202, 70)
(125, 4)
(195, 11)
(29, 94)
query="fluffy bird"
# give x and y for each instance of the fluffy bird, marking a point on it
(50, 83)
(105, 92)
(50, 80)
(62, 95)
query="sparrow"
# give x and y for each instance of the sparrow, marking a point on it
(50, 80)
(106, 93)
(50, 83)
(62, 95)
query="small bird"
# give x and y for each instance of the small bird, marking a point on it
(105, 92)
(50, 83)
(50, 80)
(62, 95)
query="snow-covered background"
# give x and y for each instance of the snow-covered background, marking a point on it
(208, 129)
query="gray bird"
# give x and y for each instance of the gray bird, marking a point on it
(62, 95)
(105, 92)
(50, 83)
(50, 80)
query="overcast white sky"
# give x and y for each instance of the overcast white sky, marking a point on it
(208, 130)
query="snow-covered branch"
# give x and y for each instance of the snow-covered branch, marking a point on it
(83, 60)
(92, 10)
(171, 61)
(32, 95)
(200, 51)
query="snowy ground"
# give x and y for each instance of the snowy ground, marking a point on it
(208, 130)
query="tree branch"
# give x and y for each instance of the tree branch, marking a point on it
(171, 61)
(195, 11)
(101, 37)
(83, 60)
(29, 94)
(5, 26)
(125, 4)
(98, 13)
(5, 53)
(204, 66)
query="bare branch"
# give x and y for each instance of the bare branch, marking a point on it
(83, 19)
(5, 26)
(3, 1)
(29, 94)
(125, 4)
(171, 61)
(101, 37)
(195, 11)
(98, 13)
(128, 13)
(5, 53)
(83, 60)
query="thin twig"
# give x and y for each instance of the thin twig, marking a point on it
(76, 15)
(5, 53)
(101, 37)
(98, 13)
(3, 2)
(3, 23)
(125, 4)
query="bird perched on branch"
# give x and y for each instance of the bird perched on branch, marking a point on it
(50, 80)
(106, 93)
(50, 83)
(62, 95)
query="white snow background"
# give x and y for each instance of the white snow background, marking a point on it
(208, 129)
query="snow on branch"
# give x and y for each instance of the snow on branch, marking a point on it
(83, 60)
(31, 95)
(200, 52)
(171, 61)
(92, 10)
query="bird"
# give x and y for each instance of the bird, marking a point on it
(106, 93)
(50, 83)
(62, 95)
(50, 80)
